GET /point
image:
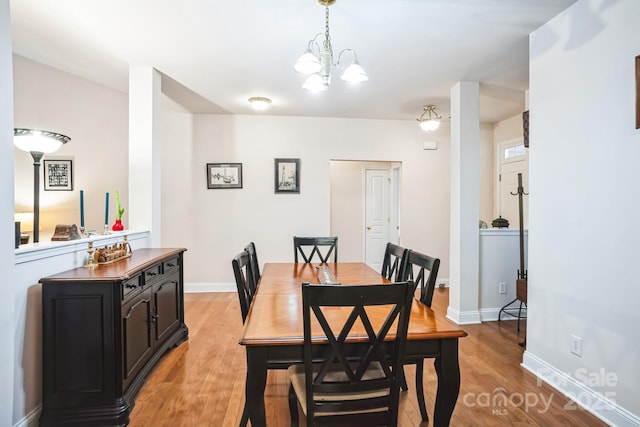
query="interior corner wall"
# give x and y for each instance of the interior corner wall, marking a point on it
(508, 129)
(584, 205)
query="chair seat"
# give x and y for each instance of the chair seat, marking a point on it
(297, 375)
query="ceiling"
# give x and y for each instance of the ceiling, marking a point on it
(216, 54)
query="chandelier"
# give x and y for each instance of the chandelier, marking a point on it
(317, 62)
(429, 120)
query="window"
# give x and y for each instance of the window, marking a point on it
(515, 151)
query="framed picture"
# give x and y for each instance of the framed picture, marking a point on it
(58, 175)
(287, 176)
(224, 175)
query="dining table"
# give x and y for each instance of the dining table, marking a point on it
(273, 331)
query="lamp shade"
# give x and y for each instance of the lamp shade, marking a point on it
(314, 83)
(430, 124)
(308, 63)
(38, 141)
(25, 219)
(354, 73)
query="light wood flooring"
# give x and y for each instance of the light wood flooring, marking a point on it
(201, 382)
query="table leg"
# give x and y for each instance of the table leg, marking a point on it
(448, 371)
(255, 385)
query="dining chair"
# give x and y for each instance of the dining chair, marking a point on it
(423, 270)
(308, 247)
(394, 262)
(255, 266)
(349, 384)
(244, 278)
(243, 271)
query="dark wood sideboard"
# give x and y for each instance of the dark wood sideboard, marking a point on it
(104, 329)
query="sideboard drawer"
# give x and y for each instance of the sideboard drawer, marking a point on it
(170, 265)
(131, 286)
(153, 272)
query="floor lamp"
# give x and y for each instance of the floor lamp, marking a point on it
(38, 143)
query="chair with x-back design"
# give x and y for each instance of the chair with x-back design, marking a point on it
(423, 270)
(344, 383)
(394, 262)
(309, 247)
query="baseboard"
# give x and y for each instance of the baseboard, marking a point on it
(491, 314)
(597, 404)
(198, 287)
(31, 419)
(463, 317)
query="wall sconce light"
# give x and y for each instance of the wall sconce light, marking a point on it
(432, 119)
(38, 143)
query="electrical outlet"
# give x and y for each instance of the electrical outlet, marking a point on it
(576, 345)
(502, 287)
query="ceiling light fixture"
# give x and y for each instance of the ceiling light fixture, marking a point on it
(38, 143)
(318, 61)
(259, 102)
(432, 119)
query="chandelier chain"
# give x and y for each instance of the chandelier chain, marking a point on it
(327, 36)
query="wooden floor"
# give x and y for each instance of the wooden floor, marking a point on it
(201, 382)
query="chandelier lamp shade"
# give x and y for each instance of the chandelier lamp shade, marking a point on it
(429, 120)
(38, 143)
(317, 62)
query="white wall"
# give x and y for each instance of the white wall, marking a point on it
(95, 118)
(7, 266)
(225, 220)
(584, 204)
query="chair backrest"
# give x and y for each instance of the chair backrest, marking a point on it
(255, 266)
(308, 247)
(394, 262)
(244, 277)
(423, 270)
(363, 378)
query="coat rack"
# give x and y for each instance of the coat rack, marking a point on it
(521, 282)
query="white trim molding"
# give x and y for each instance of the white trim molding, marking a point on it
(602, 406)
(463, 317)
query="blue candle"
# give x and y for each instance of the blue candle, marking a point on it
(106, 210)
(81, 208)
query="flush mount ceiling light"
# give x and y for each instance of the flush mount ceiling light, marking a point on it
(429, 120)
(317, 62)
(259, 102)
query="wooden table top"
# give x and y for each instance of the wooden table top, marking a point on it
(275, 317)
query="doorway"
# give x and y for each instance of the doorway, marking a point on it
(365, 194)
(513, 158)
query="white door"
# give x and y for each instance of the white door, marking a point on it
(376, 219)
(513, 161)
